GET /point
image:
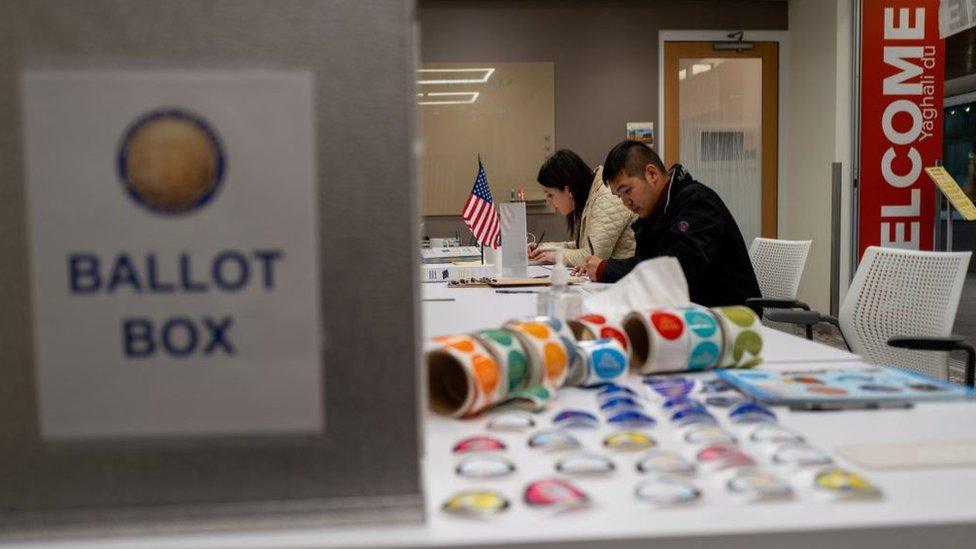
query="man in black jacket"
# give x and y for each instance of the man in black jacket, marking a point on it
(680, 217)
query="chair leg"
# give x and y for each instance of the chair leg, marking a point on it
(970, 364)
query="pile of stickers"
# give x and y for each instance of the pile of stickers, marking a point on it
(672, 441)
(525, 361)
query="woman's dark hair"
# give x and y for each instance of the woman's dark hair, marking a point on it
(566, 169)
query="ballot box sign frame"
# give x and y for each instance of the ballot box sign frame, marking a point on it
(173, 229)
(901, 93)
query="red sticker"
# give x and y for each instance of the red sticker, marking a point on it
(668, 325)
(478, 444)
(553, 491)
(616, 334)
(595, 319)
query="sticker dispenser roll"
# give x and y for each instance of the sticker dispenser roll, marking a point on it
(659, 340)
(741, 332)
(705, 338)
(548, 353)
(462, 375)
(605, 359)
(594, 326)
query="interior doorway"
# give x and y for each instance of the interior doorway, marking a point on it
(721, 121)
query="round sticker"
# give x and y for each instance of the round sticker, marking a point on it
(774, 434)
(758, 485)
(485, 466)
(628, 440)
(608, 363)
(708, 435)
(553, 440)
(554, 492)
(619, 403)
(585, 463)
(844, 483)
(571, 414)
(751, 412)
(631, 418)
(715, 386)
(701, 323)
(614, 333)
(478, 444)
(661, 461)
(671, 387)
(724, 401)
(801, 455)
(476, 502)
(666, 490)
(511, 421)
(613, 390)
(704, 355)
(721, 456)
(668, 325)
(689, 416)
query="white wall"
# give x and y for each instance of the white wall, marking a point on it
(818, 108)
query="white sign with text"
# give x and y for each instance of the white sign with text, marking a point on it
(174, 244)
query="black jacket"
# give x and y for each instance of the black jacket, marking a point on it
(694, 226)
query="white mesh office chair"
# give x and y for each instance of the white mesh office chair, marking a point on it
(779, 267)
(901, 302)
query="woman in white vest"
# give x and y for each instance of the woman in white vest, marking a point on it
(592, 212)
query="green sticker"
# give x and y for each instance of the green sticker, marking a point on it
(503, 337)
(518, 368)
(740, 315)
(746, 341)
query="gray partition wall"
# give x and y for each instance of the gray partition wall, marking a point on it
(363, 464)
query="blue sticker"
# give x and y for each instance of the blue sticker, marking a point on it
(573, 414)
(724, 401)
(612, 389)
(677, 402)
(751, 412)
(672, 388)
(609, 363)
(705, 355)
(555, 323)
(619, 402)
(690, 416)
(701, 323)
(715, 386)
(632, 418)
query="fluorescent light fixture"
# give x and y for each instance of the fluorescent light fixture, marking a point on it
(463, 76)
(449, 98)
(699, 68)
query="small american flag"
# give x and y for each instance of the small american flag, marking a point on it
(479, 211)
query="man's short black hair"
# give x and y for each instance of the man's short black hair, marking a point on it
(630, 157)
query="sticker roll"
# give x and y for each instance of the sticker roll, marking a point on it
(659, 340)
(511, 356)
(462, 376)
(606, 361)
(595, 326)
(743, 339)
(705, 338)
(549, 353)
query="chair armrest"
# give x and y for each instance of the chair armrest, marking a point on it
(940, 343)
(803, 318)
(777, 303)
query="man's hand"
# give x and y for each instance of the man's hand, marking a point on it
(588, 267)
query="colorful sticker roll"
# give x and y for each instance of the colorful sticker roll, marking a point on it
(605, 360)
(659, 340)
(548, 354)
(463, 376)
(741, 332)
(511, 356)
(705, 342)
(595, 326)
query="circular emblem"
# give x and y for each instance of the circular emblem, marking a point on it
(171, 161)
(683, 225)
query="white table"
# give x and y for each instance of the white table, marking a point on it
(932, 508)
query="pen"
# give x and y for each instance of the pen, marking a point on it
(516, 292)
(541, 238)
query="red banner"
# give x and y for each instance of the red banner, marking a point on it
(902, 60)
